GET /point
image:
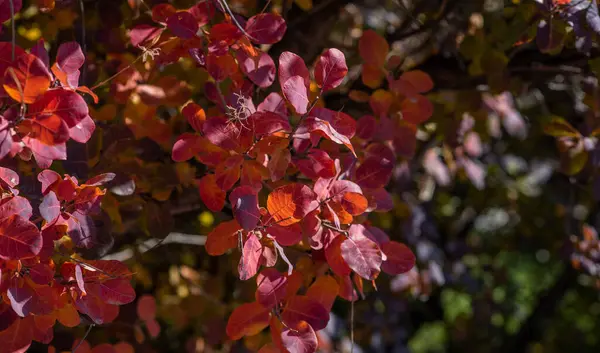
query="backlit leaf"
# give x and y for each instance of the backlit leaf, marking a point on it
(302, 308)
(266, 28)
(250, 259)
(27, 79)
(19, 238)
(288, 204)
(330, 69)
(300, 338)
(224, 237)
(400, 259)
(210, 193)
(295, 92)
(324, 290)
(271, 285)
(362, 255)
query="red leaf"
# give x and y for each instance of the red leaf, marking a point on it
(354, 203)
(161, 12)
(244, 202)
(50, 207)
(210, 193)
(5, 6)
(266, 123)
(19, 238)
(195, 115)
(288, 204)
(374, 173)
(117, 291)
(8, 177)
(366, 126)
(228, 172)
(300, 338)
(183, 24)
(83, 131)
(324, 290)
(15, 205)
(296, 93)
(224, 237)
(333, 253)
(330, 69)
(203, 11)
(291, 65)
(362, 254)
(30, 80)
(62, 103)
(266, 28)
(286, 236)
(373, 48)
(146, 307)
(341, 122)
(17, 338)
(48, 178)
(400, 259)
(141, 34)
(224, 134)
(41, 273)
(278, 164)
(260, 70)
(250, 259)
(221, 67)
(69, 57)
(271, 287)
(302, 308)
(273, 103)
(318, 165)
(417, 109)
(153, 328)
(315, 128)
(247, 320)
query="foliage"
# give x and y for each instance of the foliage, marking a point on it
(311, 172)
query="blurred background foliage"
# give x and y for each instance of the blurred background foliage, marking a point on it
(500, 214)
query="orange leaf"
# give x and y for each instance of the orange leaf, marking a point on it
(354, 203)
(324, 290)
(222, 238)
(210, 193)
(288, 204)
(247, 320)
(373, 48)
(27, 79)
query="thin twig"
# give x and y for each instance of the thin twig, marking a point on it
(352, 326)
(118, 73)
(84, 336)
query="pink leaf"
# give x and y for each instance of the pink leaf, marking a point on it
(266, 123)
(271, 287)
(295, 92)
(70, 57)
(250, 260)
(50, 207)
(362, 255)
(143, 33)
(330, 69)
(261, 70)
(291, 65)
(300, 339)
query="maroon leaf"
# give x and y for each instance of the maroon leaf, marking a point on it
(266, 28)
(183, 24)
(19, 238)
(374, 173)
(143, 33)
(302, 308)
(244, 202)
(21, 299)
(400, 259)
(117, 291)
(271, 287)
(330, 69)
(82, 230)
